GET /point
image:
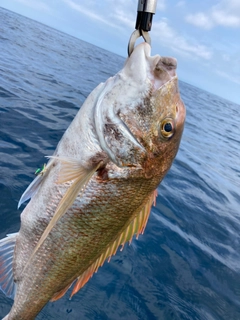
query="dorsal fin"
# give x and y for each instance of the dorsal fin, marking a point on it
(135, 227)
(7, 284)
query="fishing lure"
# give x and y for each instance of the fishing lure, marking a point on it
(41, 171)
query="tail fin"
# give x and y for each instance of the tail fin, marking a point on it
(7, 285)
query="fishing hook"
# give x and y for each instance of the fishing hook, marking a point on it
(146, 10)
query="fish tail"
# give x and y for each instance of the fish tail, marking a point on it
(7, 284)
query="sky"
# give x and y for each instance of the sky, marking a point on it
(204, 35)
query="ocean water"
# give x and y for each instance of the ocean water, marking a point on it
(187, 264)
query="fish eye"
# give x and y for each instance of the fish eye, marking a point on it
(167, 128)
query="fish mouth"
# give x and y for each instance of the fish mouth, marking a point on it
(159, 70)
(145, 69)
(141, 66)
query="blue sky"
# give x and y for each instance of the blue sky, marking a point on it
(204, 35)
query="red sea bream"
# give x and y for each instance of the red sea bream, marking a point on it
(97, 190)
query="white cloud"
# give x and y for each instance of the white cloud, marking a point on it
(161, 5)
(110, 12)
(231, 77)
(226, 13)
(126, 20)
(227, 19)
(126, 11)
(170, 38)
(122, 14)
(38, 5)
(181, 4)
(200, 19)
(226, 57)
(90, 13)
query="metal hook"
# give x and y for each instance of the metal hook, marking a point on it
(146, 10)
(134, 36)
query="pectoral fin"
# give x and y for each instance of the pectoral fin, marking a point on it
(70, 170)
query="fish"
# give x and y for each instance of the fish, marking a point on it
(97, 189)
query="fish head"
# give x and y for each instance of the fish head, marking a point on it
(157, 117)
(139, 115)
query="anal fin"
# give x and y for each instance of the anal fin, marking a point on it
(7, 285)
(60, 293)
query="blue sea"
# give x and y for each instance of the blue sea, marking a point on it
(187, 263)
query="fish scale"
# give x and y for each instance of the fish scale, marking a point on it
(96, 191)
(72, 224)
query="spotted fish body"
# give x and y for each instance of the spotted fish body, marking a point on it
(97, 190)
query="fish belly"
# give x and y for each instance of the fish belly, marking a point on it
(93, 222)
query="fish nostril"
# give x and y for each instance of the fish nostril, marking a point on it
(169, 62)
(166, 68)
(161, 75)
